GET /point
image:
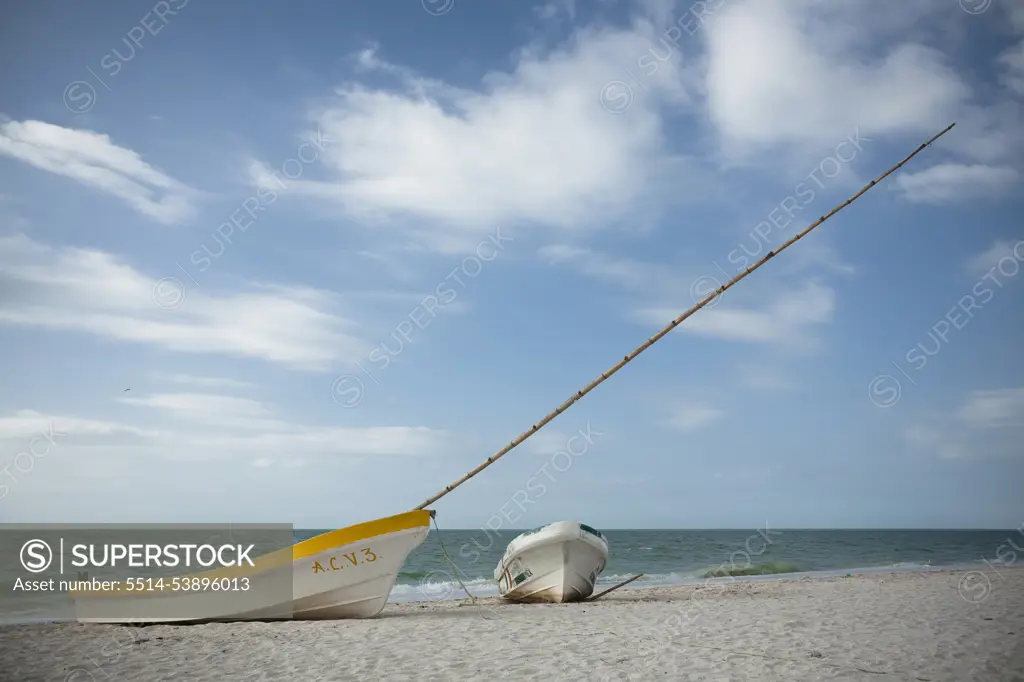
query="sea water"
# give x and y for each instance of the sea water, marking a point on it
(677, 557)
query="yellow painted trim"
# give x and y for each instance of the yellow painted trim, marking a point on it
(363, 531)
(419, 518)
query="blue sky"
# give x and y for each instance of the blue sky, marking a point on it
(342, 254)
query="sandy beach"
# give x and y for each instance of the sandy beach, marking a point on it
(942, 625)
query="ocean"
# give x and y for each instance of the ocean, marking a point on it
(678, 557)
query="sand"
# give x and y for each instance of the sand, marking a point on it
(948, 625)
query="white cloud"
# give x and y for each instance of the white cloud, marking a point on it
(230, 425)
(91, 291)
(789, 319)
(794, 77)
(783, 72)
(203, 382)
(341, 442)
(207, 426)
(693, 416)
(994, 408)
(992, 135)
(553, 10)
(992, 417)
(984, 262)
(214, 410)
(532, 146)
(1014, 13)
(24, 424)
(815, 252)
(529, 146)
(948, 182)
(547, 442)
(933, 439)
(643, 276)
(1012, 62)
(95, 161)
(761, 378)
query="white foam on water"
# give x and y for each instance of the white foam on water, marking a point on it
(442, 590)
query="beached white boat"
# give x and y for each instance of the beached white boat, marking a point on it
(346, 573)
(556, 563)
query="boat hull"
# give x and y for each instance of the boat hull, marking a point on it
(557, 563)
(346, 573)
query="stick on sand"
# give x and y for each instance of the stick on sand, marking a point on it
(615, 587)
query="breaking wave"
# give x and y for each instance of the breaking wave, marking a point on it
(769, 568)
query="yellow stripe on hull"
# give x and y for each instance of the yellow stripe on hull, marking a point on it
(362, 531)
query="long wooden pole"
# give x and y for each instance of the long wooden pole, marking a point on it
(673, 324)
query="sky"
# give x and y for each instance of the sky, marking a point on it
(311, 262)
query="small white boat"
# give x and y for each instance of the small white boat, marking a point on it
(346, 573)
(556, 563)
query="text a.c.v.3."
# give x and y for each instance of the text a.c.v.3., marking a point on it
(348, 559)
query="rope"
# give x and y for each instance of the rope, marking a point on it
(455, 569)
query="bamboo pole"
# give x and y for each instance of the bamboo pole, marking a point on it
(615, 587)
(673, 324)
